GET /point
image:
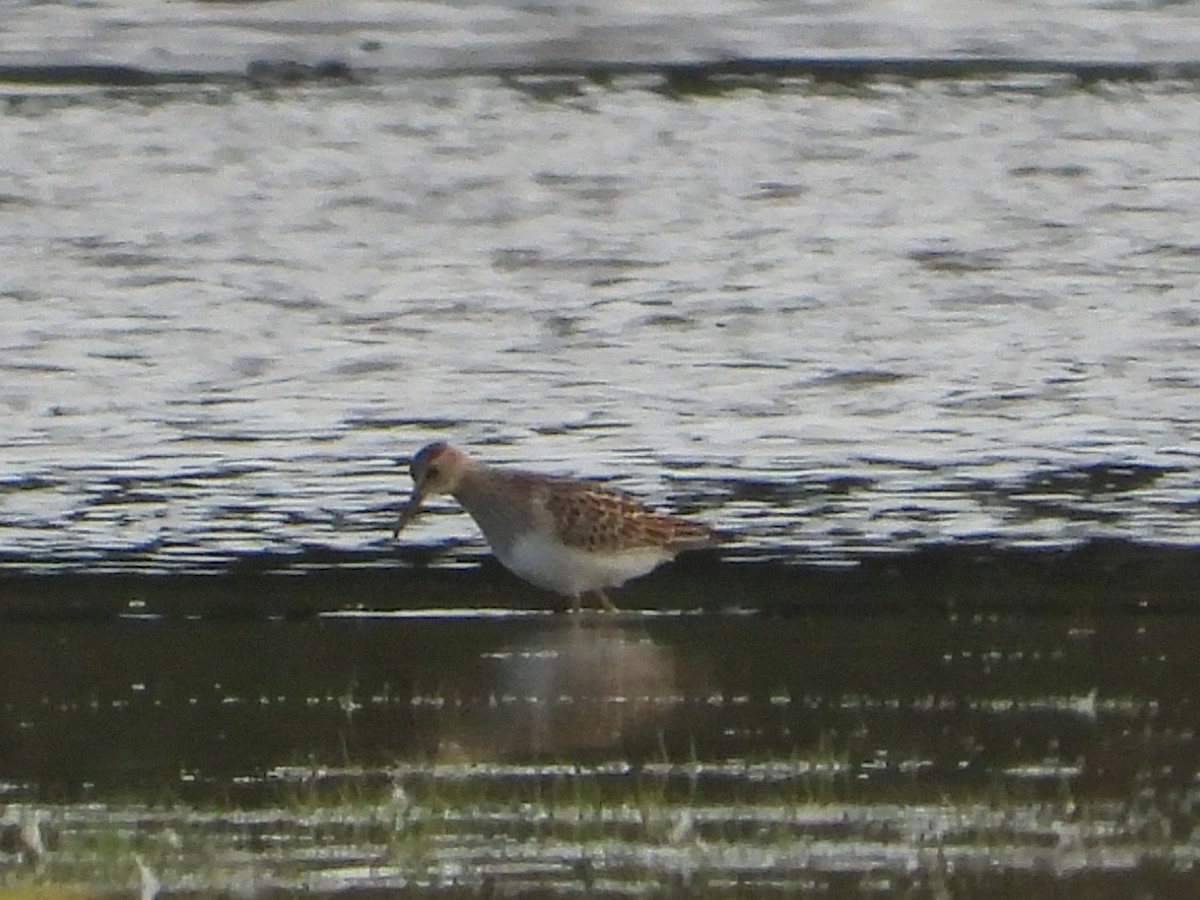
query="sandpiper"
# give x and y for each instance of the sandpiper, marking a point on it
(566, 535)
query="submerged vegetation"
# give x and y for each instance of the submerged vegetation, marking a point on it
(732, 828)
(917, 755)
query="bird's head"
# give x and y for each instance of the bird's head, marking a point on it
(436, 469)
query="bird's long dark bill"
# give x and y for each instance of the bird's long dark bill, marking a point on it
(410, 510)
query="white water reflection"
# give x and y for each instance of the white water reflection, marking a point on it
(889, 755)
(380, 35)
(574, 688)
(617, 840)
(917, 313)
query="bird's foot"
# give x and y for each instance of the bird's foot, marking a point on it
(606, 605)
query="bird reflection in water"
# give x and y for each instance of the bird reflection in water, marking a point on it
(576, 688)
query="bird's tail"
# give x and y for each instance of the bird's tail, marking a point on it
(695, 536)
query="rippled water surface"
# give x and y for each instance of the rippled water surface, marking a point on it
(926, 346)
(207, 37)
(829, 319)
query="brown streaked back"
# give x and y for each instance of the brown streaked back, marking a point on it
(604, 520)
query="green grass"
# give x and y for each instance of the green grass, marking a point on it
(415, 821)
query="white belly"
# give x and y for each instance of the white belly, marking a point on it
(571, 571)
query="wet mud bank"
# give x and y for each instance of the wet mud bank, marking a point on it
(1099, 575)
(685, 77)
(943, 721)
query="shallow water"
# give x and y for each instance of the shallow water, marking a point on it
(717, 755)
(925, 345)
(403, 38)
(909, 314)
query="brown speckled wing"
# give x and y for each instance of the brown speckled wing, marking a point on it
(603, 520)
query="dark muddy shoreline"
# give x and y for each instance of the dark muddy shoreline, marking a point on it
(964, 715)
(1098, 575)
(684, 77)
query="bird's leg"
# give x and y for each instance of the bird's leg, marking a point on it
(607, 604)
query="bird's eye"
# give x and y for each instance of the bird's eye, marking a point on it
(431, 472)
